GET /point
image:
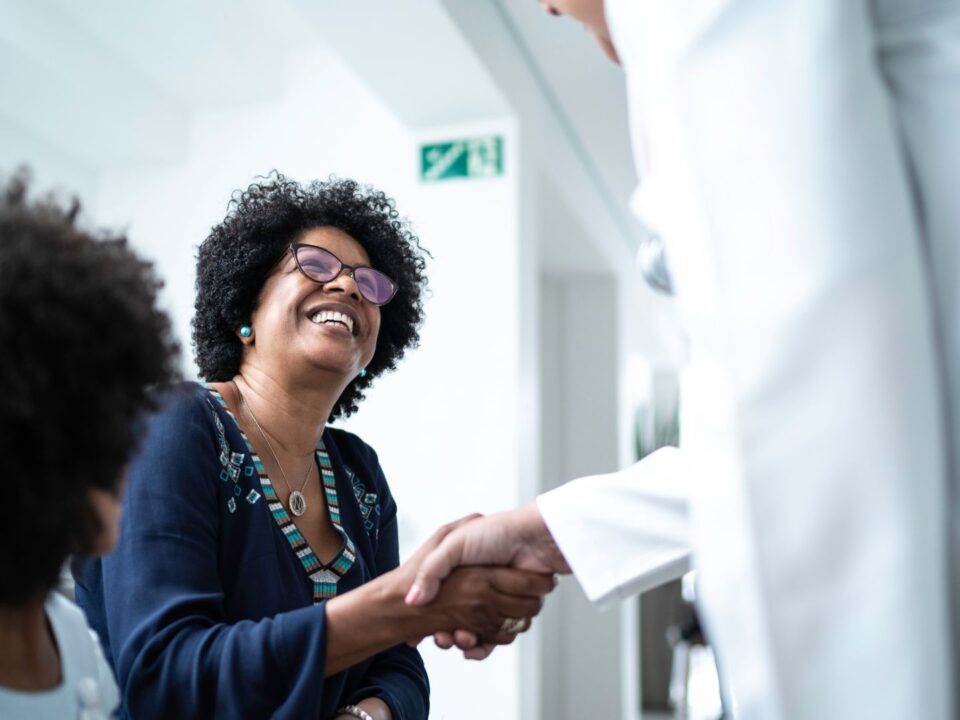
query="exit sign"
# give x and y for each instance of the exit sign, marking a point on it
(479, 157)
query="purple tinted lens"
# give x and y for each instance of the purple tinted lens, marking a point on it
(374, 285)
(317, 263)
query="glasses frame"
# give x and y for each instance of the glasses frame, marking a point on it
(351, 269)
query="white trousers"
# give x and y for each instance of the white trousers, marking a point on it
(802, 160)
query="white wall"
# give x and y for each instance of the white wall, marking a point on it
(583, 650)
(53, 168)
(587, 315)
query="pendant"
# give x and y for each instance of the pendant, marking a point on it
(297, 502)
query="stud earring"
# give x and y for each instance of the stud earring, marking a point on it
(246, 331)
(362, 373)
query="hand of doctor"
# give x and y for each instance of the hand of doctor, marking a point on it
(517, 538)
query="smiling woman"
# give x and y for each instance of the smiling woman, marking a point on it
(257, 573)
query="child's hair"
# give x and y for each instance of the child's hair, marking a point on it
(82, 341)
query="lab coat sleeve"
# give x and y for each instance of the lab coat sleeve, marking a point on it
(625, 532)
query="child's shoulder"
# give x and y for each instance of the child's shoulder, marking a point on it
(82, 661)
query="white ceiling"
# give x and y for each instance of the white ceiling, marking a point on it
(114, 82)
(414, 57)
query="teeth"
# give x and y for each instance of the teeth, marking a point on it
(331, 316)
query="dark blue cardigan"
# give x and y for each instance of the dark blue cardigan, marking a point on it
(205, 612)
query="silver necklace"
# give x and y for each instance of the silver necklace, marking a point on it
(295, 499)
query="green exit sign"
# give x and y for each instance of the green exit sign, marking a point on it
(479, 157)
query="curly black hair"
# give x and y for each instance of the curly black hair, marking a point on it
(239, 253)
(83, 342)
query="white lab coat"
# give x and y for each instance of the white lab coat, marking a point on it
(801, 159)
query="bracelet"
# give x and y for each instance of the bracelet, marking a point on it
(355, 711)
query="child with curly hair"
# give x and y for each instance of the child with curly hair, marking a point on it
(83, 341)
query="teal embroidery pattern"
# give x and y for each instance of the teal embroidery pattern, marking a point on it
(231, 463)
(323, 577)
(369, 504)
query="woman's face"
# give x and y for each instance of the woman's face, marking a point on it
(299, 324)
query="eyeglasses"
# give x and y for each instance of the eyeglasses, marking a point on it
(322, 266)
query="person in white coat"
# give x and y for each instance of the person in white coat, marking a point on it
(801, 161)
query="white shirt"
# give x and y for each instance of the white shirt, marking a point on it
(88, 690)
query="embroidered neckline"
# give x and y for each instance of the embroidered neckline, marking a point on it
(323, 576)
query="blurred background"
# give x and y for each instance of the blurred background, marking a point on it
(502, 134)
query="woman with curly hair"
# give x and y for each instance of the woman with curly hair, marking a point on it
(82, 343)
(258, 570)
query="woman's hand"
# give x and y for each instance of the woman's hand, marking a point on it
(480, 599)
(518, 538)
(474, 601)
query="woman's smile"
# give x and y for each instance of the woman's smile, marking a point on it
(338, 318)
(332, 317)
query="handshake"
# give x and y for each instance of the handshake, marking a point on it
(483, 579)
(475, 584)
